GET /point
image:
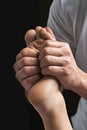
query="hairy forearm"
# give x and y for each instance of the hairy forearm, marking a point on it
(81, 87)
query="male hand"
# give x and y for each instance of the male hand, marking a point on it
(26, 65)
(56, 59)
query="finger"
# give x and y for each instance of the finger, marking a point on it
(26, 61)
(52, 51)
(51, 70)
(30, 36)
(27, 71)
(52, 61)
(52, 43)
(26, 52)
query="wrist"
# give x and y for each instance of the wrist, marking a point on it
(81, 84)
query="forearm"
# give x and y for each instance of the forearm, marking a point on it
(47, 99)
(57, 118)
(81, 87)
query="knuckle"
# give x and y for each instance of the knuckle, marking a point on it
(67, 61)
(24, 52)
(17, 77)
(63, 71)
(47, 59)
(25, 70)
(50, 68)
(45, 51)
(66, 50)
(24, 61)
(47, 43)
(67, 45)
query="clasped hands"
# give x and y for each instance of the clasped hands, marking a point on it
(40, 69)
(29, 66)
(44, 57)
(36, 39)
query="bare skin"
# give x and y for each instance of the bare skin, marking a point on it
(46, 97)
(56, 60)
(45, 88)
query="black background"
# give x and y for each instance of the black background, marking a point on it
(16, 19)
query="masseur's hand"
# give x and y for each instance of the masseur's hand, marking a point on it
(26, 65)
(56, 59)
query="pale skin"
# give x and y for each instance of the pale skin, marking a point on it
(56, 60)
